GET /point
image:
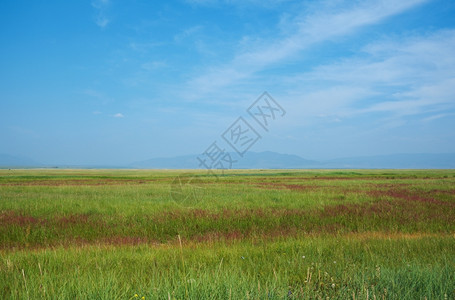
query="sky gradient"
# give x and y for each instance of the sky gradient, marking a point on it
(113, 82)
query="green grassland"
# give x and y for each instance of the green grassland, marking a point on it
(245, 234)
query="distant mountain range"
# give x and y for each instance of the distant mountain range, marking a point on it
(273, 160)
(251, 160)
(269, 160)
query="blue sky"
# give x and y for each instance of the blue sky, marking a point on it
(112, 82)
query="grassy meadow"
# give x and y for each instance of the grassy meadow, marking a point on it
(247, 234)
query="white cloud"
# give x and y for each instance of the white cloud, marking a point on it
(438, 116)
(324, 23)
(403, 60)
(421, 70)
(153, 65)
(264, 3)
(102, 21)
(101, 18)
(99, 97)
(118, 115)
(390, 81)
(92, 93)
(427, 97)
(144, 47)
(181, 36)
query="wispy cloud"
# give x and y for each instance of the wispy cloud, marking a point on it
(153, 65)
(395, 61)
(322, 24)
(438, 116)
(118, 115)
(264, 3)
(428, 98)
(404, 76)
(144, 48)
(100, 97)
(396, 77)
(188, 32)
(101, 18)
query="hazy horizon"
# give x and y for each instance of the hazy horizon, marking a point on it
(259, 160)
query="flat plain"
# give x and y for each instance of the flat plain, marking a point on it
(244, 234)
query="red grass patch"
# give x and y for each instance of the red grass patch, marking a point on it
(20, 219)
(71, 220)
(14, 218)
(424, 197)
(295, 187)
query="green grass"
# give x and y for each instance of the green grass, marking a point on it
(111, 234)
(337, 267)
